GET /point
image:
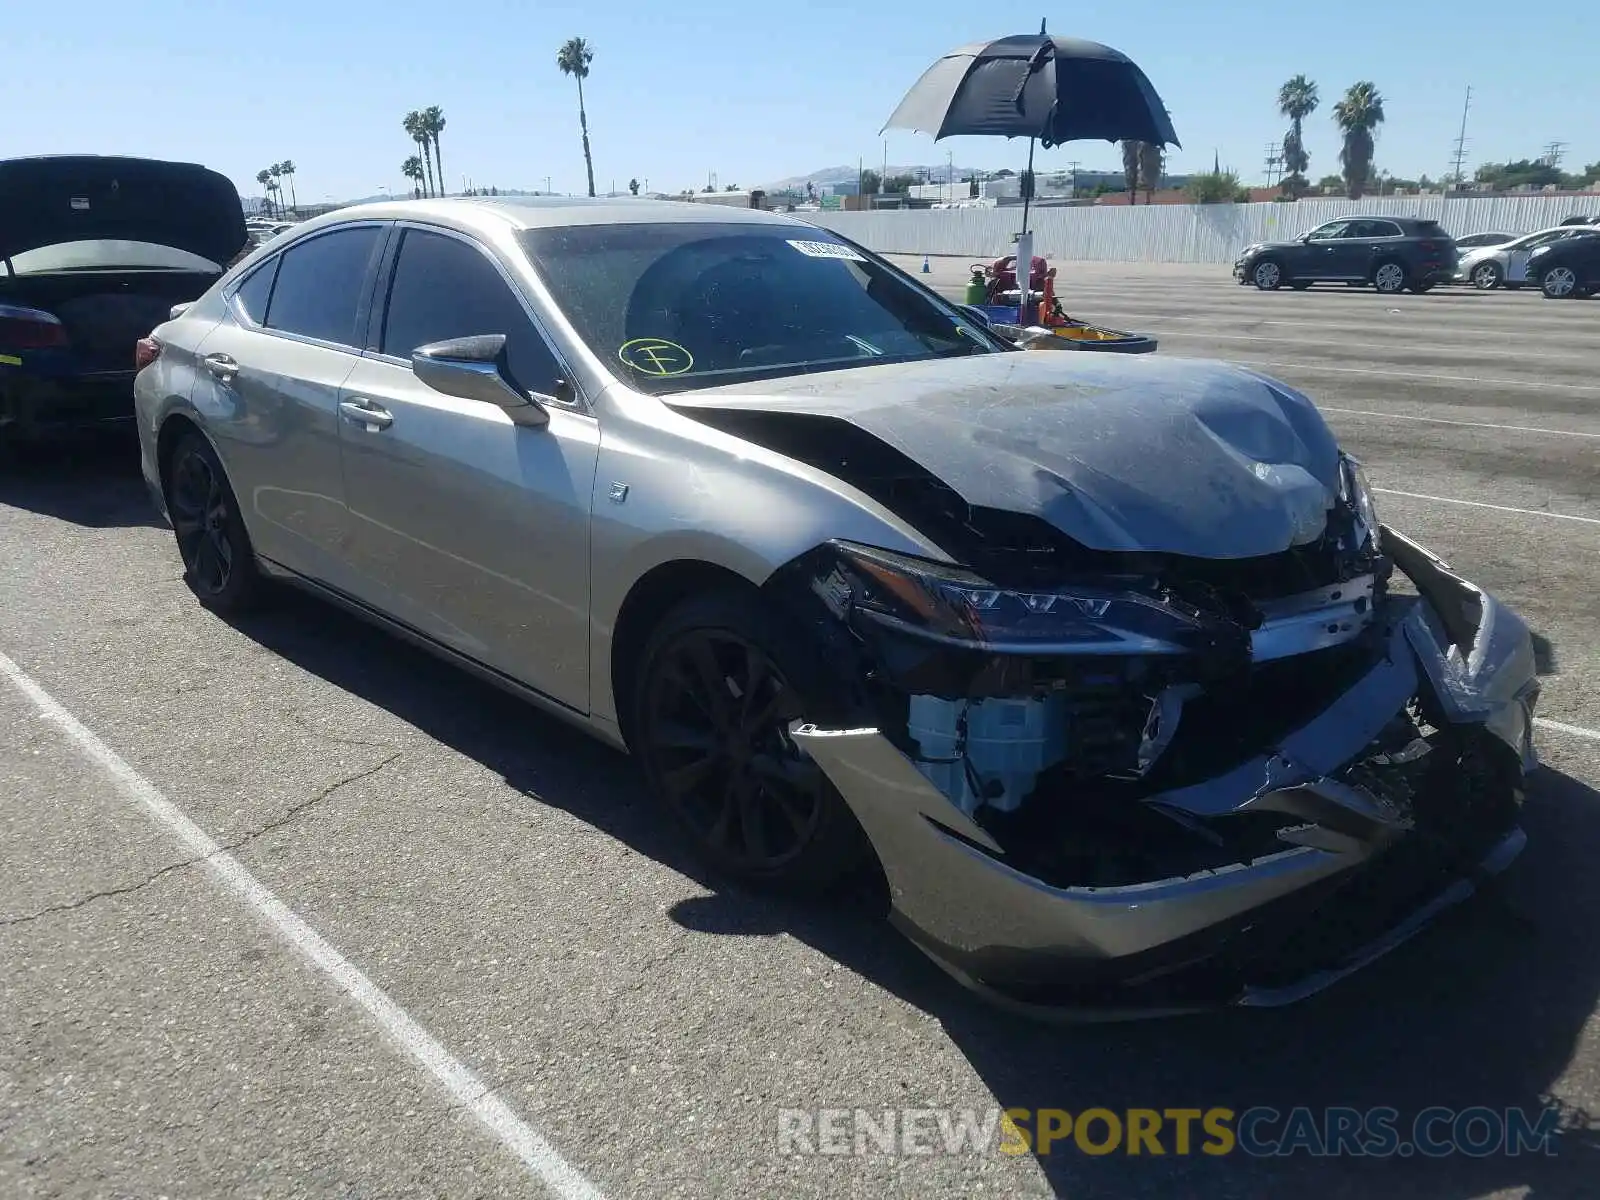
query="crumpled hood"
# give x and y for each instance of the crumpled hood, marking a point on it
(1120, 453)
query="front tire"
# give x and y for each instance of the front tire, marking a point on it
(219, 563)
(1389, 277)
(1267, 275)
(723, 677)
(1487, 276)
(1560, 283)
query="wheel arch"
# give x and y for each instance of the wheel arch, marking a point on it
(654, 594)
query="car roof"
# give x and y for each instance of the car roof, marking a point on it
(545, 212)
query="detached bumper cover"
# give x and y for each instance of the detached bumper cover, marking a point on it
(1255, 932)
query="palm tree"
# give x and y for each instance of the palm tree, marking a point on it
(1152, 165)
(1130, 169)
(1358, 115)
(413, 126)
(288, 171)
(412, 170)
(276, 171)
(1297, 100)
(264, 178)
(574, 58)
(432, 127)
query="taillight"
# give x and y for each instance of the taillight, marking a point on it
(145, 351)
(1429, 247)
(30, 329)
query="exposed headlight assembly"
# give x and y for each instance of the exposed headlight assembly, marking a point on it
(958, 607)
(1355, 492)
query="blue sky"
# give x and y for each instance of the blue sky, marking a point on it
(751, 91)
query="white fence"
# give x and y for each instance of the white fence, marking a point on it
(1177, 233)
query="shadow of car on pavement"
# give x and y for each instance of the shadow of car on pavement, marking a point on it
(91, 480)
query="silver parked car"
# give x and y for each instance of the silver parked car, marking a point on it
(1095, 656)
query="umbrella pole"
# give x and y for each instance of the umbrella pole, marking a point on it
(1025, 246)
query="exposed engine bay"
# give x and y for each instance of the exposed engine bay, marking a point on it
(1047, 668)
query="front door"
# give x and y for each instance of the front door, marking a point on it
(463, 525)
(1321, 255)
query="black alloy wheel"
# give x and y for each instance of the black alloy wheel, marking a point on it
(218, 561)
(711, 728)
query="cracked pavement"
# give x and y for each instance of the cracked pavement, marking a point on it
(508, 884)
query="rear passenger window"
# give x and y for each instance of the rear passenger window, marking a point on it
(444, 288)
(319, 285)
(253, 292)
(1387, 229)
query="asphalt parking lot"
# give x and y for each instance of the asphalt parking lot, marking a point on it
(567, 1007)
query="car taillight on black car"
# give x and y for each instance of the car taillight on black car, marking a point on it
(30, 329)
(145, 351)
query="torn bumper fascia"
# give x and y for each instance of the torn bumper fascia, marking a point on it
(954, 894)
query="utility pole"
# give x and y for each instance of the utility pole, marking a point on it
(1554, 152)
(1274, 163)
(1461, 142)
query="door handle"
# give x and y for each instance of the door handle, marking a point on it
(221, 367)
(365, 413)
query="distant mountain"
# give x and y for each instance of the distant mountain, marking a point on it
(936, 172)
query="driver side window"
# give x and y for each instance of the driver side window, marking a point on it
(445, 288)
(1333, 229)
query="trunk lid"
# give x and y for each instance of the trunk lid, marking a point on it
(53, 199)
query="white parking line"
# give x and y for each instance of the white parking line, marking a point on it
(1526, 512)
(1562, 727)
(559, 1177)
(1394, 416)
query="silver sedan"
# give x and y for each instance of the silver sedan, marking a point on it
(1094, 657)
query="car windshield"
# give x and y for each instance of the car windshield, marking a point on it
(695, 304)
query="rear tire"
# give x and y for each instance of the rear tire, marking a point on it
(1389, 277)
(219, 563)
(721, 679)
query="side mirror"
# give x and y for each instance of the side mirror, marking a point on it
(474, 368)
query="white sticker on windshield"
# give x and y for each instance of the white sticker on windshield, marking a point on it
(80, 202)
(827, 250)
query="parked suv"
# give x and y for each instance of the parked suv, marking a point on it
(1388, 253)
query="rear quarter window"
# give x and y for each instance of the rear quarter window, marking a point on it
(252, 295)
(320, 283)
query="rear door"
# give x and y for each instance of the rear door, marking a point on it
(469, 528)
(1364, 242)
(268, 386)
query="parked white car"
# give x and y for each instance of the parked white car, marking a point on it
(1472, 241)
(1506, 265)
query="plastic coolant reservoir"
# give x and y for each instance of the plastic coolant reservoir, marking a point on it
(1006, 743)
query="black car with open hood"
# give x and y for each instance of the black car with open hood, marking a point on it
(94, 252)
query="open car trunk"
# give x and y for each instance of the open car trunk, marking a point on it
(94, 253)
(105, 310)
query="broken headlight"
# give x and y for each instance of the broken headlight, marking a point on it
(1356, 494)
(956, 606)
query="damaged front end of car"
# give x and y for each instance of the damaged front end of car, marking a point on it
(1110, 783)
